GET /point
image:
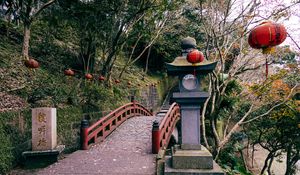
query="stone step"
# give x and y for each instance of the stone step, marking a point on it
(160, 114)
(192, 159)
(216, 170)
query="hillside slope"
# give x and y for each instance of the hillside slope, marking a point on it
(74, 97)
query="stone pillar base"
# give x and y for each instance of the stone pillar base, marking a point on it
(191, 147)
(192, 159)
(169, 170)
(40, 159)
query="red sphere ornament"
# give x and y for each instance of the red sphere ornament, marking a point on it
(31, 63)
(69, 72)
(266, 35)
(195, 56)
(89, 76)
(101, 78)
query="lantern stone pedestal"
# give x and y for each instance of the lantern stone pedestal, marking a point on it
(44, 139)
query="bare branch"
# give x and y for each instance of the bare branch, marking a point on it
(44, 6)
(235, 127)
(294, 41)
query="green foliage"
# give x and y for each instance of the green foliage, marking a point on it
(231, 158)
(14, 134)
(6, 156)
(68, 127)
(233, 87)
(231, 101)
(47, 89)
(284, 55)
(99, 98)
(278, 132)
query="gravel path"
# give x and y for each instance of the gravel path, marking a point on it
(126, 151)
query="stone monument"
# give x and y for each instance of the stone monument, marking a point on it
(44, 138)
(44, 134)
(190, 157)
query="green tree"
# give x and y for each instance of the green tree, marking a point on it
(27, 11)
(278, 133)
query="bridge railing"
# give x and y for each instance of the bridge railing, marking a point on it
(162, 132)
(106, 125)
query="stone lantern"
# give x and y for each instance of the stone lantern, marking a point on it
(190, 157)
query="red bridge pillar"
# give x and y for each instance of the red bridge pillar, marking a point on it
(84, 134)
(155, 137)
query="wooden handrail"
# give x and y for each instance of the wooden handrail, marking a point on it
(161, 132)
(106, 125)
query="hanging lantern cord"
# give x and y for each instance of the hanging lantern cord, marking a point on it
(267, 67)
(194, 73)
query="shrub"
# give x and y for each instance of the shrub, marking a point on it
(6, 156)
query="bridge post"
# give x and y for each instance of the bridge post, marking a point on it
(84, 134)
(132, 99)
(155, 137)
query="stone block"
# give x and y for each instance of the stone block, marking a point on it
(192, 159)
(44, 136)
(169, 170)
(40, 159)
(191, 147)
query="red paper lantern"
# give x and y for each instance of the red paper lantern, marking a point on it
(69, 72)
(31, 63)
(101, 78)
(266, 35)
(89, 76)
(195, 56)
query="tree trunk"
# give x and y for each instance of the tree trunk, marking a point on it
(252, 156)
(130, 57)
(147, 61)
(109, 70)
(288, 170)
(88, 54)
(108, 63)
(270, 165)
(26, 38)
(203, 112)
(244, 159)
(266, 163)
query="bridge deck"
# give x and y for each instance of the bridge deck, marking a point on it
(126, 151)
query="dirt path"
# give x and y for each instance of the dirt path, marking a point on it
(278, 166)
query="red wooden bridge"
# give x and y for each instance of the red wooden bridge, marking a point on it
(125, 141)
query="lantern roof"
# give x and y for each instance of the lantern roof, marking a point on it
(181, 66)
(188, 43)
